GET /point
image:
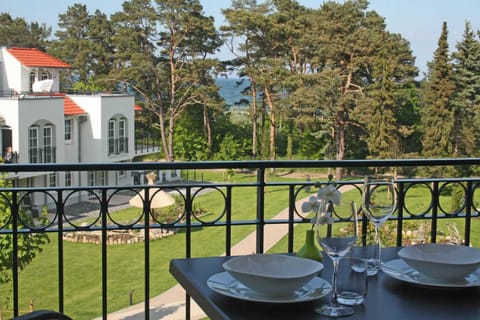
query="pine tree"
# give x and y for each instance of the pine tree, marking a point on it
(437, 114)
(84, 41)
(163, 51)
(18, 33)
(466, 102)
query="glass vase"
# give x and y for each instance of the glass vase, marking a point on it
(309, 250)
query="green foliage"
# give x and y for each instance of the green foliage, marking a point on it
(17, 32)
(329, 82)
(86, 87)
(231, 149)
(466, 100)
(29, 244)
(84, 41)
(437, 114)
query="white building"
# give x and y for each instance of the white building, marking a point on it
(44, 126)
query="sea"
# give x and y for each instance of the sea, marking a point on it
(231, 91)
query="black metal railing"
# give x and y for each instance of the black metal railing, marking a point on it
(57, 201)
(146, 143)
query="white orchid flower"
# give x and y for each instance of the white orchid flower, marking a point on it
(325, 217)
(322, 204)
(310, 205)
(329, 193)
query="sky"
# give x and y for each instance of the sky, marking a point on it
(418, 21)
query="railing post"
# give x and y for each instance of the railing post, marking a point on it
(188, 244)
(148, 214)
(291, 211)
(14, 213)
(435, 201)
(61, 291)
(228, 229)
(468, 211)
(400, 204)
(103, 212)
(260, 208)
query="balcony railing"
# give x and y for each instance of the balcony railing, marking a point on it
(146, 143)
(433, 208)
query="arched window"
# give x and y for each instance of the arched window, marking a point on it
(41, 143)
(122, 136)
(112, 145)
(117, 135)
(45, 75)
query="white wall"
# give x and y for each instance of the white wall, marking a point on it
(94, 132)
(13, 72)
(72, 148)
(32, 110)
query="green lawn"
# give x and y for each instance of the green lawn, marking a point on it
(82, 262)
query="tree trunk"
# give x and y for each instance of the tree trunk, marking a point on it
(208, 130)
(340, 141)
(163, 135)
(171, 125)
(273, 124)
(254, 118)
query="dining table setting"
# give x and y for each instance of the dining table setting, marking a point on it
(347, 280)
(397, 291)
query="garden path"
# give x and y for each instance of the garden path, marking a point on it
(170, 305)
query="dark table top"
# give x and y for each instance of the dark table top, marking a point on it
(387, 298)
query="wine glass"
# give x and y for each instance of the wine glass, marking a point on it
(336, 235)
(378, 204)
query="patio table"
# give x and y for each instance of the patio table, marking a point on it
(387, 298)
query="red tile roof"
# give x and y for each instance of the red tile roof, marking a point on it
(70, 108)
(31, 57)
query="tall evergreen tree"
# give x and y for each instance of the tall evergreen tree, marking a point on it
(18, 33)
(437, 113)
(390, 71)
(83, 40)
(368, 68)
(466, 101)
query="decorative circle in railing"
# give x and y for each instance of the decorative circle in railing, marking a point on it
(351, 198)
(302, 194)
(451, 201)
(350, 192)
(476, 199)
(418, 199)
(167, 207)
(6, 215)
(125, 208)
(81, 208)
(207, 205)
(37, 216)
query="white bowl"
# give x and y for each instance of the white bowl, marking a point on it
(442, 261)
(272, 275)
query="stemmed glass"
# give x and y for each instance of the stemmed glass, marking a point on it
(378, 204)
(336, 237)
